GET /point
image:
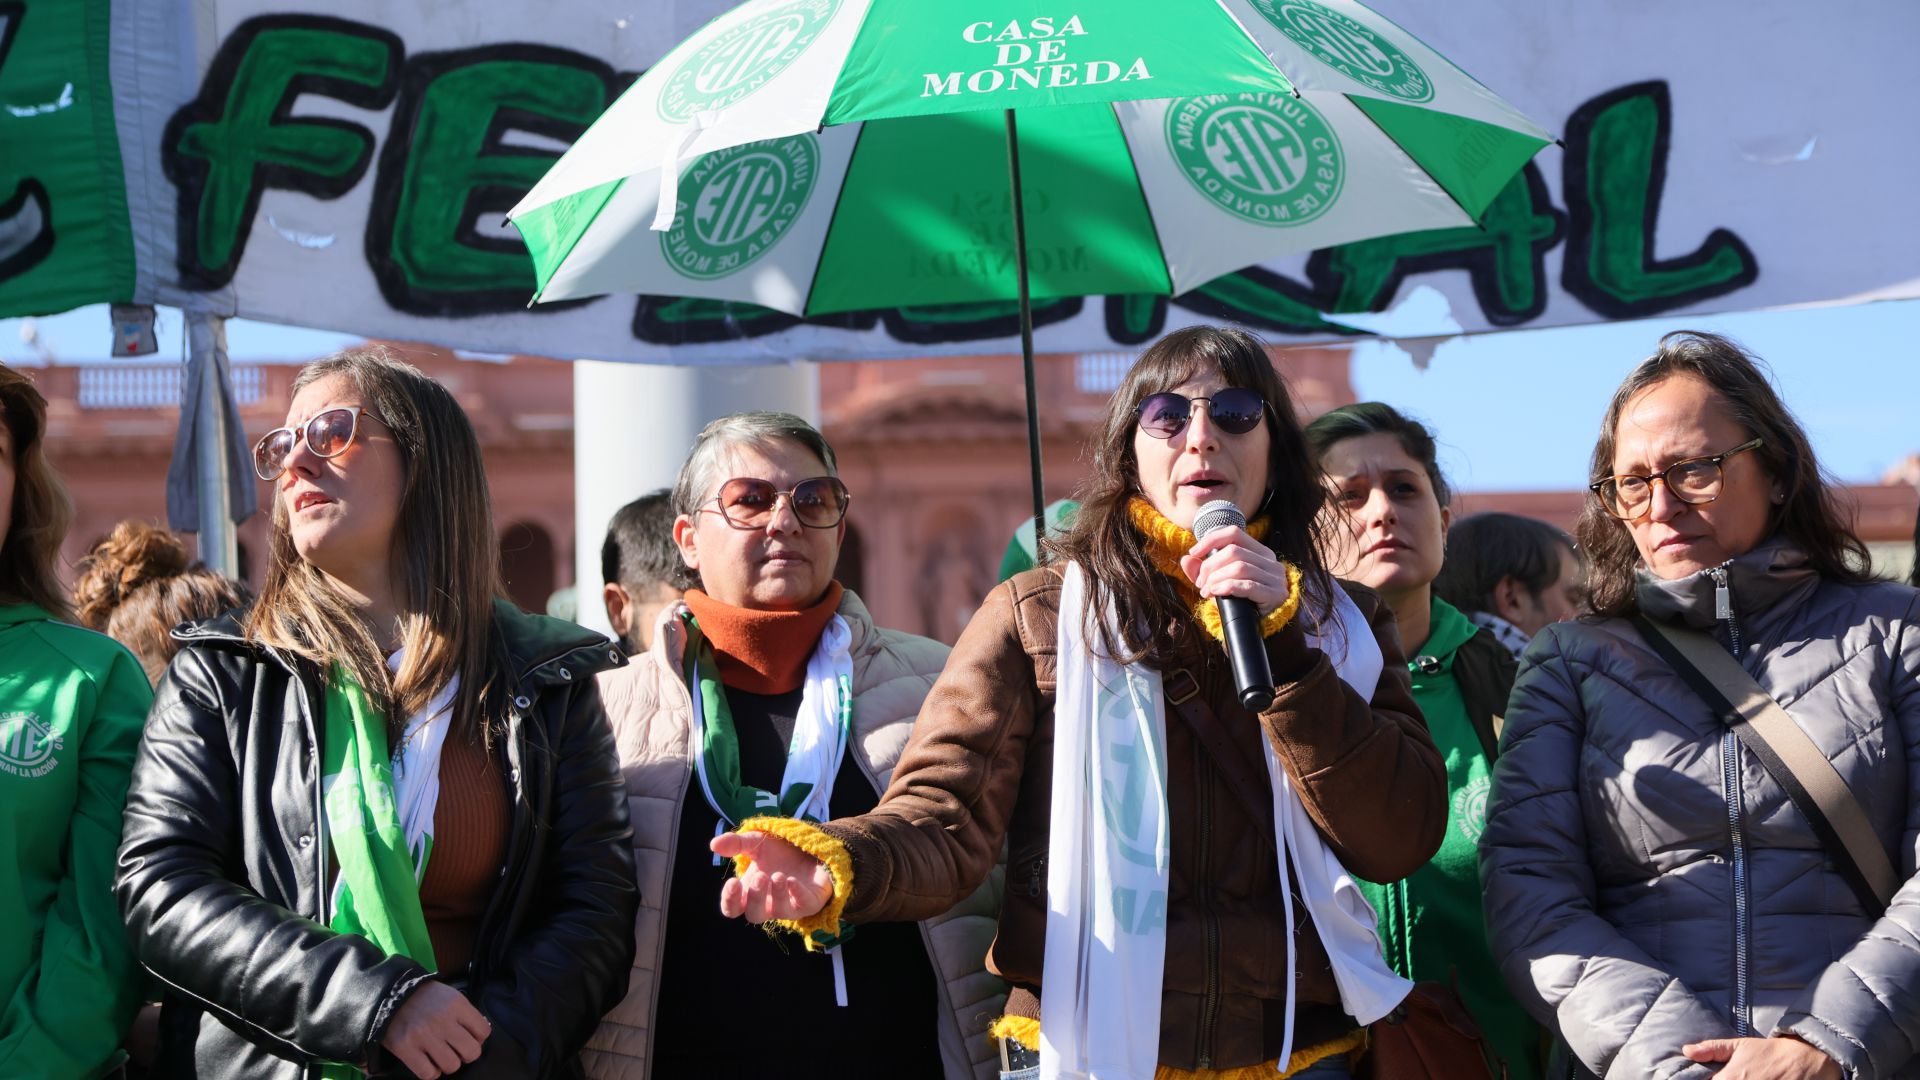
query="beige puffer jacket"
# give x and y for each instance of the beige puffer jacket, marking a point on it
(650, 710)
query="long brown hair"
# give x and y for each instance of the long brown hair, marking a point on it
(138, 584)
(41, 510)
(443, 546)
(1154, 622)
(1810, 516)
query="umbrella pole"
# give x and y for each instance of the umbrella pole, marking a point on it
(1026, 335)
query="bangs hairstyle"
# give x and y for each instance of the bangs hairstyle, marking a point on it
(41, 510)
(447, 563)
(1810, 516)
(1154, 623)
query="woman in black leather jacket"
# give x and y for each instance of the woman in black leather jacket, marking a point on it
(461, 904)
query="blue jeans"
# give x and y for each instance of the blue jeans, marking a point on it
(1331, 1068)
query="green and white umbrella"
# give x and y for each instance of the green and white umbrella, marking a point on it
(820, 156)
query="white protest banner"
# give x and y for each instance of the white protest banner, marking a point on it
(348, 170)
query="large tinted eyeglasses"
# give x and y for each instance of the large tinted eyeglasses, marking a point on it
(747, 502)
(1693, 481)
(328, 434)
(1235, 410)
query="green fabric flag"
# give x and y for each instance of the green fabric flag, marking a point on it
(377, 895)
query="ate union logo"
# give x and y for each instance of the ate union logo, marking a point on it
(1267, 158)
(740, 202)
(743, 58)
(28, 745)
(1349, 46)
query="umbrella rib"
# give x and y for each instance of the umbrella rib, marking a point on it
(806, 309)
(1159, 243)
(1388, 135)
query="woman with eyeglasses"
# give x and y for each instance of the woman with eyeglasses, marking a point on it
(770, 691)
(377, 825)
(1654, 891)
(71, 705)
(1178, 897)
(1387, 526)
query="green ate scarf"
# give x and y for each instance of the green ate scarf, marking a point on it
(377, 894)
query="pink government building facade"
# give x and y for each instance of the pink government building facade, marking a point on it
(933, 449)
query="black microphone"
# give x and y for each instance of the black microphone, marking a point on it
(1239, 619)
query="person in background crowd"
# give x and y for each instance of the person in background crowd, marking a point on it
(1148, 930)
(642, 569)
(138, 584)
(1513, 575)
(135, 587)
(1387, 529)
(770, 690)
(1652, 891)
(461, 903)
(71, 706)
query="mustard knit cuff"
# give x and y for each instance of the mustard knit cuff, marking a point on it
(1023, 1030)
(821, 845)
(1167, 542)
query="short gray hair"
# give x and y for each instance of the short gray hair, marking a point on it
(710, 448)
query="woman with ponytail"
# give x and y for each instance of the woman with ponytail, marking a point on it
(138, 584)
(377, 825)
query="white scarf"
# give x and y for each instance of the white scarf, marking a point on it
(821, 731)
(1110, 859)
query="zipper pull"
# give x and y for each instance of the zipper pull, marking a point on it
(1722, 596)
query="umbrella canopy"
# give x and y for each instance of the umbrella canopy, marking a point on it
(1162, 145)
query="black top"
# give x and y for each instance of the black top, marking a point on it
(736, 1002)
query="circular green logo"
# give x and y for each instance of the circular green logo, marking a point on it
(1269, 158)
(1349, 47)
(738, 203)
(743, 58)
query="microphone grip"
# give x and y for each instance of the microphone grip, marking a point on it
(1252, 676)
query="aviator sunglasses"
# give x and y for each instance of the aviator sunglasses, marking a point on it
(747, 502)
(1235, 410)
(328, 434)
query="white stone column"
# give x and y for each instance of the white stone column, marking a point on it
(632, 427)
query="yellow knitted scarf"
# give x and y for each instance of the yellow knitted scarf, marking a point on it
(1167, 542)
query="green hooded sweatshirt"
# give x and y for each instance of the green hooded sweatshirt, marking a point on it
(1432, 924)
(72, 703)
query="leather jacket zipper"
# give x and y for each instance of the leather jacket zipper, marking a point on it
(1730, 785)
(1210, 1001)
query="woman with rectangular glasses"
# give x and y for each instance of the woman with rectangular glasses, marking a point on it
(1179, 902)
(769, 690)
(376, 824)
(1656, 889)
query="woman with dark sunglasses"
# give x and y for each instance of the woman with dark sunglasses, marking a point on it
(377, 824)
(1655, 889)
(1179, 901)
(770, 690)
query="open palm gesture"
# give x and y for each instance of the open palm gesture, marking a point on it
(783, 882)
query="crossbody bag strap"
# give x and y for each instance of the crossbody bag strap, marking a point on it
(1789, 756)
(1253, 790)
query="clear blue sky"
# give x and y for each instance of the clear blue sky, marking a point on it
(1516, 410)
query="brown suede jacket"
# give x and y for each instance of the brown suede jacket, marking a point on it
(978, 771)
